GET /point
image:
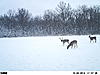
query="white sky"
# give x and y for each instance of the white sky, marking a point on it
(37, 7)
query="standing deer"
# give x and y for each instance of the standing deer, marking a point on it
(92, 38)
(72, 44)
(64, 40)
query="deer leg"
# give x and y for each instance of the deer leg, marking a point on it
(63, 43)
(68, 42)
(76, 45)
(72, 46)
(90, 41)
(95, 40)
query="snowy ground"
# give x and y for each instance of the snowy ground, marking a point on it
(48, 53)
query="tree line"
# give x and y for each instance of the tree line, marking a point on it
(64, 20)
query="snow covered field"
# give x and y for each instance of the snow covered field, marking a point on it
(48, 53)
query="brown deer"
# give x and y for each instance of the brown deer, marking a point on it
(72, 44)
(92, 38)
(64, 40)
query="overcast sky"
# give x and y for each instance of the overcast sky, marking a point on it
(37, 7)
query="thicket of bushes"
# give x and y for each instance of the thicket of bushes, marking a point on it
(62, 21)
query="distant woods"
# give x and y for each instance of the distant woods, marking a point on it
(62, 21)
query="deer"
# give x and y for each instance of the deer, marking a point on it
(92, 38)
(72, 44)
(64, 40)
